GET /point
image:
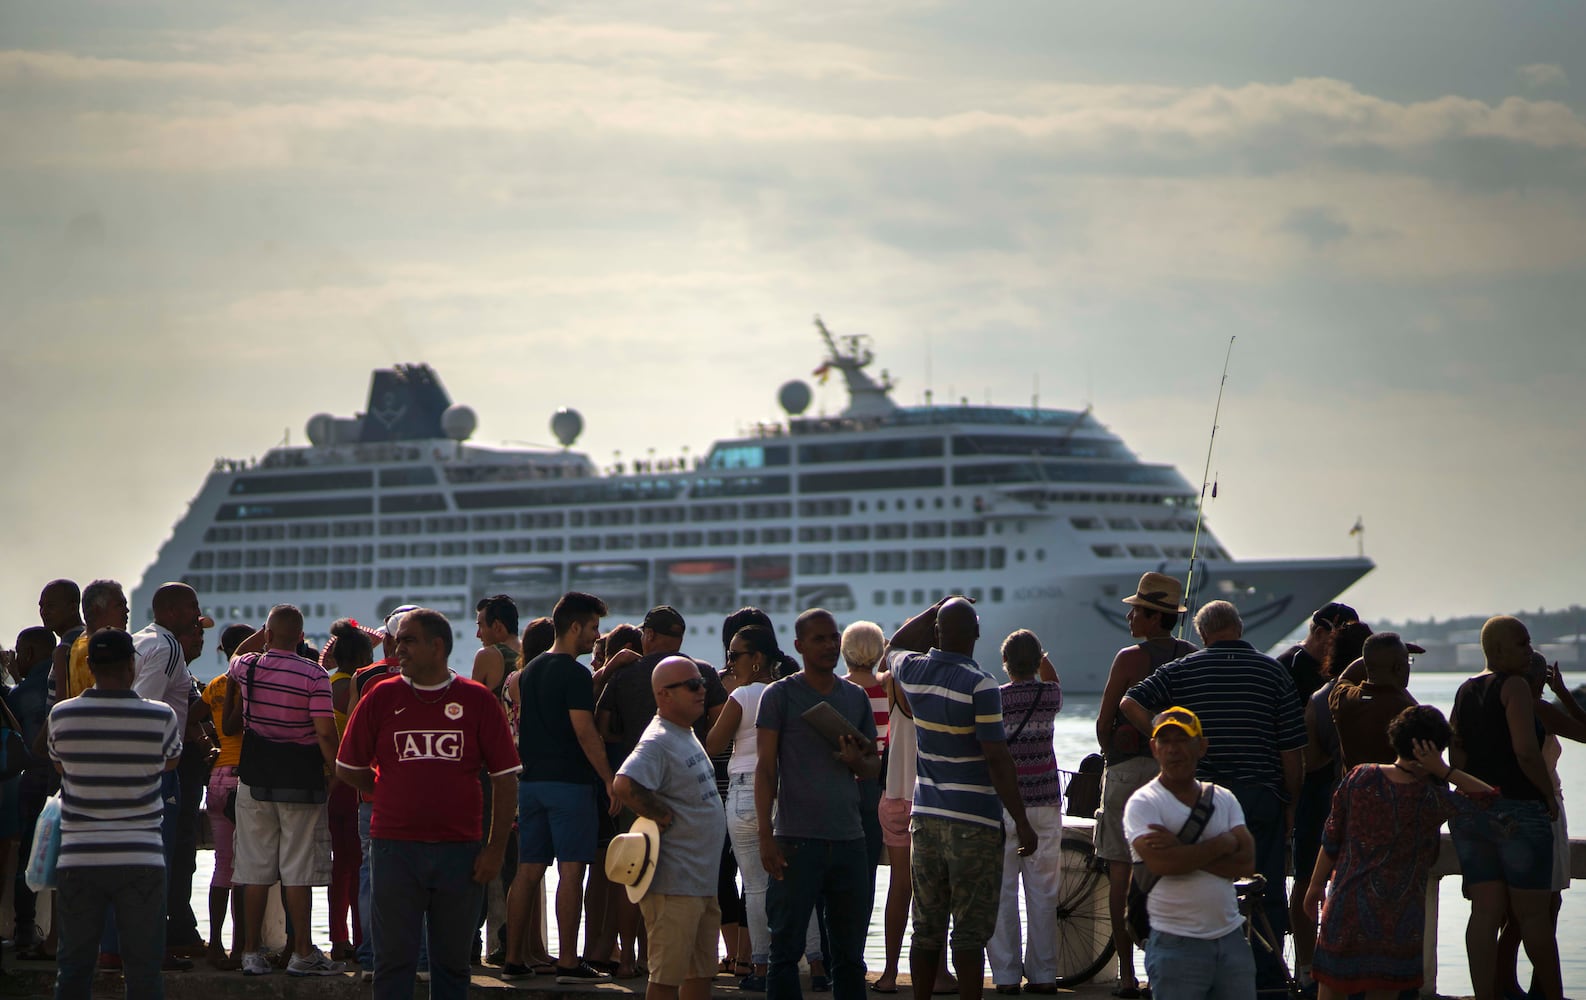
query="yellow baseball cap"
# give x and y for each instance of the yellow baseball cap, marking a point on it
(1183, 718)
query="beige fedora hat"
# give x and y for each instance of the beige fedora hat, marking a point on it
(630, 860)
(1158, 592)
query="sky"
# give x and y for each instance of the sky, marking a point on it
(218, 218)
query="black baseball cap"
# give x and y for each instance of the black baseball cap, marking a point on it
(1332, 614)
(110, 646)
(664, 620)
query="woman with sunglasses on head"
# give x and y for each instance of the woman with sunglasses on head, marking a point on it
(752, 657)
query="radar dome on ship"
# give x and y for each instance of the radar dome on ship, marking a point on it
(567, 424)
(321, 428)
(458, 422)
(795, 397)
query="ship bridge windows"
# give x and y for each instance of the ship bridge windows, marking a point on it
(290, 509)
(746, 456)
(871, 479)
(826, 508)
(304, 482)
(1046, 447)
(871, 450)
(421, 475)
(409, 503)
(737, 486)
(1066, 472)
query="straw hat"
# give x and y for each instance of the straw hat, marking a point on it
(631, 857)
(1159, 592)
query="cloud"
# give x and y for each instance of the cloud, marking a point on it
(1541, 76)
(1317, 225)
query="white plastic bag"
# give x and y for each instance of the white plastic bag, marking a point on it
(46, 846)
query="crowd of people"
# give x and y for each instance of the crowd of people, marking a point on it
(706, 823)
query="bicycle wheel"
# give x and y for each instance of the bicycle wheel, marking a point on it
(1084, 926)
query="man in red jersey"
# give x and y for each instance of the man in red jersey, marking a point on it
(418, 744)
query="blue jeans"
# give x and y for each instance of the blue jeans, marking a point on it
(414, 881)
(137, 897)
(1182, 968)
(170, 817)
(838, 873)
(365, 953)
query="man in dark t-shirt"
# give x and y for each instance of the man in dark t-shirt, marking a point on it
(1305, 661)
(1362, 706)
(564, 766)
(627, 703)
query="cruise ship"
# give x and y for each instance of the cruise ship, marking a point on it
(1043, 516)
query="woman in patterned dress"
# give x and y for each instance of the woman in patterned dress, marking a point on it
(1379, 844)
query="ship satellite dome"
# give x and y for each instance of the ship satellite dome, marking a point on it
(459, 422)
(567, 424)
(321, 429)
(795, 397)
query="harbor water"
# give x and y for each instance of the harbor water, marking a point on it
(1074, 737)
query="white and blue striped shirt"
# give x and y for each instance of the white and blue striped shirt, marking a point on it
(956, 708)
(112, 747)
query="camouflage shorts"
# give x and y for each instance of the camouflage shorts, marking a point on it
(956, 869)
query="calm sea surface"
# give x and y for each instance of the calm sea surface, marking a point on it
(1075, 737)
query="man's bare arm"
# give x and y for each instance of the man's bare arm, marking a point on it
(1164, 855)
(361, 778)
(642, 800)
(1138, 715)
(1240, 863)
(590, 742)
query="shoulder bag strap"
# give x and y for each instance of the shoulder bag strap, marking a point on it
(1199, 816)
(1028, 712)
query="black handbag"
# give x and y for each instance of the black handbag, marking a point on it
(1142, 880)
(276, 771)
(14, 754)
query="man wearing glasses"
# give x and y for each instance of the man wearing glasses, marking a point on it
(669, 778)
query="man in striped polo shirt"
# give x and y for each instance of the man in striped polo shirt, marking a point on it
(283, 703)
(111, 748)
(1255, 728)
(966, 778)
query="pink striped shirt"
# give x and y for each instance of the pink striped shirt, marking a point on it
(288, 694)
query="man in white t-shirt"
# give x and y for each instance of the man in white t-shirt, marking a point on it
(1197, 948)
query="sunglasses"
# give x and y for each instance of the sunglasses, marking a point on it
(733, 654)
(693, 684)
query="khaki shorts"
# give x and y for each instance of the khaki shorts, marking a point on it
(286, 842)
(1118, 782)
(682, 931)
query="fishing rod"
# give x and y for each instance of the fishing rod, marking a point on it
(1200, 512)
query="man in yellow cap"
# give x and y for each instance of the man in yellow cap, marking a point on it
(1197, 948)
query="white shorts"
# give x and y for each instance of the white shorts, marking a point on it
(286, 842)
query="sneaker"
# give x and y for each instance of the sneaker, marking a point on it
(313, 964)
(366, 976)
(515, 970)
(255, 964)
(423, 975)
(580, 973)
(752, 984)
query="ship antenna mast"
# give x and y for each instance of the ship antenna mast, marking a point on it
(1200, 511)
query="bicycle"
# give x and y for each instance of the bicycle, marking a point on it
(1258, 931)
(1084, 925)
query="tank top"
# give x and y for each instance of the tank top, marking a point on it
(1484, 732)
(509, 663)
(745, 742)
(339, 674)
(1126, 742)
(879, 711)
(902, 749)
